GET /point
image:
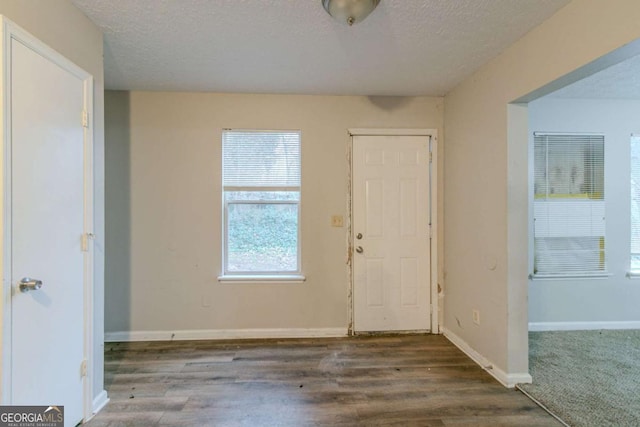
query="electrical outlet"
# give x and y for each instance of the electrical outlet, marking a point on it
(476, 316)
(337, 221)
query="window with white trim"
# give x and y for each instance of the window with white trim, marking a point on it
(635, 204)
(261, 198)
(569, 205)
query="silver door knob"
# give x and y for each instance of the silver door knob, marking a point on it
(28, 284)
(359, 249)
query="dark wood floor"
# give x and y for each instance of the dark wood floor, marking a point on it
(417, 380)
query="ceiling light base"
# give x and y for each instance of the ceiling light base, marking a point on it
(350, 11)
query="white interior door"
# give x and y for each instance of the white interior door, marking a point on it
(391, 263)
(48, 223)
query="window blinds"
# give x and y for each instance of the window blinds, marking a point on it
(260, 160)
(635, 203)
(569, 204)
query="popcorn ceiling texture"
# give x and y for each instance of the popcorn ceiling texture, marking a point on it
(406, 47)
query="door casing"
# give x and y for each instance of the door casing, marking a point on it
(9, 31)
(433, 206)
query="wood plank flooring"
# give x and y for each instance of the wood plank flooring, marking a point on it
(404, 380)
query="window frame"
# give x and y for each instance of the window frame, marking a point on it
(261, 276)
(586, 274)
(631, 272)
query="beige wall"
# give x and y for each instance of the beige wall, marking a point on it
(485, 178)
(63, 27)
(164, 198)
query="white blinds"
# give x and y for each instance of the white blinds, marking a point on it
(260, 159)
(635, 203)
(569, 166)
(569, 204)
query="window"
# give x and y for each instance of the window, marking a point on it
(635, 204)
(569, 205)
(261, 198)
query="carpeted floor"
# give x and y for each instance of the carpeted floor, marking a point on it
(587, 378)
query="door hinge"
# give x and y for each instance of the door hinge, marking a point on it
(85, 119)
(430, 157)
(85, 241)
(83, 368)
(430, 231)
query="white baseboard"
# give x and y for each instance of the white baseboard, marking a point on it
(581, 326)
(223, 334)
(100, 401)
(507, 380)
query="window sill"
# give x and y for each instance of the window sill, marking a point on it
(262, 278)
(602, 275)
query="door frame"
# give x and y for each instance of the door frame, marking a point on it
(433, 207)
(10, 31)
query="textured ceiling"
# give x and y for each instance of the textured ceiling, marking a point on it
(405, 47)
(621, 81)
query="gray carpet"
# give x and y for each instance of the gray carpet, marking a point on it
(587, 378)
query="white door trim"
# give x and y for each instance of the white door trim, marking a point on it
(392, 132)
(433, 182)
(10, 31)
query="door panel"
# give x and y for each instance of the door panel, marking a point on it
(47, 227)
(391, 211)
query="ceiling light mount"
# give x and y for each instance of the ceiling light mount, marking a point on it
(350, 11)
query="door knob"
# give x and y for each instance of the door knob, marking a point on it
(359, 236)
(359, 249)
(28, 284)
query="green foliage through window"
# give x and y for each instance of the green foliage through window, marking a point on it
(261, 186)
(262, 237)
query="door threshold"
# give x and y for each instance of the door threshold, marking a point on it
(391, 333)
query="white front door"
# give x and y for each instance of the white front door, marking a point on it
(391, 263)
(48, 221)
